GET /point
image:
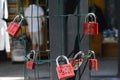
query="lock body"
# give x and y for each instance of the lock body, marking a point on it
(93, 64)
(91, 28)
(30, 65)
(65, 71)
(13, 28)
(76, 63)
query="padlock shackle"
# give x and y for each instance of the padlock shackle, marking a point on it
(34, 54)
(20, 20)
(62, 56)
(79, 53)
(15, 18)
(92, 52)
(90, 15)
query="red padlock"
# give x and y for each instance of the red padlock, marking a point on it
(64, 71)
(76, 63)
(90, 27)
(93, 63)
(14, 27)
(31, 63)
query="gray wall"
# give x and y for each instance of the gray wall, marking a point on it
(57, 34)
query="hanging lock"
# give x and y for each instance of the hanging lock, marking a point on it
(64, 71)
(93, 63)
(31, 63)
(90, 27)
(14, 27)
(76, 63)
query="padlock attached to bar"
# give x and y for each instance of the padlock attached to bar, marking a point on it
(30, 64)
(90, 27)
(93, 62)
(77, 62)
(14, 27)
(64, 71)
